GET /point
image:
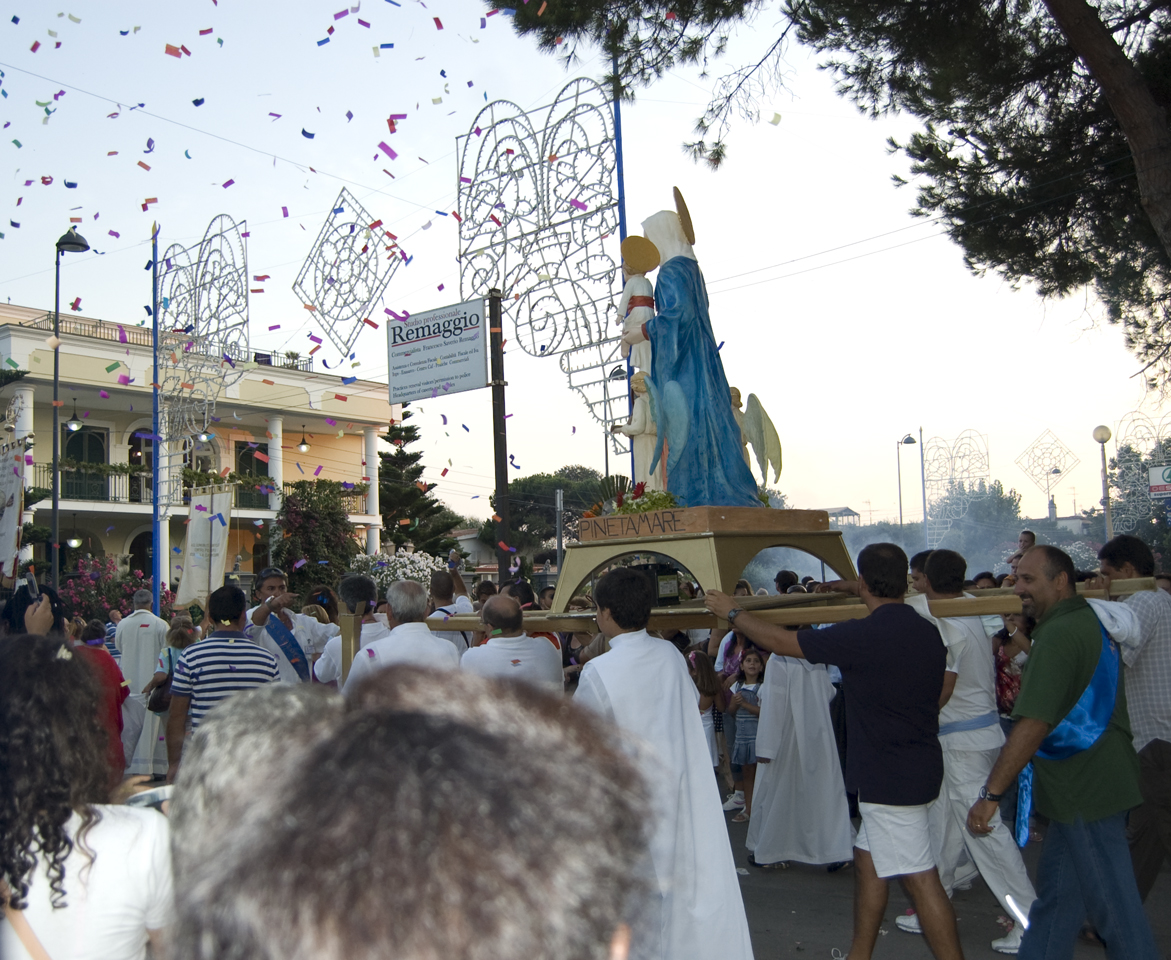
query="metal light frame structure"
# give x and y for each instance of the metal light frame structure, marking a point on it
(955, 474)
(540, 219)
(1138, 437)
(346, 271)
(1042, 457)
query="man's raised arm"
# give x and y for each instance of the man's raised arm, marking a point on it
(779, 640)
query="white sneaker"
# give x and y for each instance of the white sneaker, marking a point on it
(908, 923)
(1011, 941)
(735, 800)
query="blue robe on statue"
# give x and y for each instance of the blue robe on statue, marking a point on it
(692, 406)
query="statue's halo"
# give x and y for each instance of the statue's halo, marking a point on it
(639, 254)
(684, 216)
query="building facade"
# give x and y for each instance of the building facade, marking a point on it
(279, 422)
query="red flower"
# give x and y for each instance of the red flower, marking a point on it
(639, 490)
(619, 498)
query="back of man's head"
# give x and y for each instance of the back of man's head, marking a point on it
(945, 571)
(918, 561)
(629, 594)
(442, 586)
(1125, 549)
(503, 613)
(522, 590)
(1056, 562)
(143, 599)
(232, 759)
(883, 568)
(225, 605)
(492, 823)
(358, 592)
(785, 579)
(407, 601)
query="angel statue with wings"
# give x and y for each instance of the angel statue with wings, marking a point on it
(756, 427)
(697, 434)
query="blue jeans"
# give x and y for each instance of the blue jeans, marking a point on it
(1085, 871)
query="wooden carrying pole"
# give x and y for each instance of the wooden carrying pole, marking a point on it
(351, 624)
(793, 610)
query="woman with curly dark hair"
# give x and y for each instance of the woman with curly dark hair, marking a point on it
(79, 877)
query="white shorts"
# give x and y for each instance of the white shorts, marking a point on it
(897, 838)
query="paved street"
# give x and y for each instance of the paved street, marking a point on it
(804, 911)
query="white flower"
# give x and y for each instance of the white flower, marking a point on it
(385, 570)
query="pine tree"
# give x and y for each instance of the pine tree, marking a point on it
(404, 496)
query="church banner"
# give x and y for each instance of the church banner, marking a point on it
(205, 550)
(438, 352)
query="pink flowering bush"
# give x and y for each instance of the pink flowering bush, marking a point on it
(99, 588)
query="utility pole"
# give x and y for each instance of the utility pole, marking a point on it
(499, 432)
(159, 563)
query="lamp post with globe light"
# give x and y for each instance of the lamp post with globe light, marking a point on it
(908, 439)
(72, 242)
(1102, 435)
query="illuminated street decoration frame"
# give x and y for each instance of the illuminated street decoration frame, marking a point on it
(346, 271)
(538, 211)
(955, 473)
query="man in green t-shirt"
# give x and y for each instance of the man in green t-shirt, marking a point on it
(1085, 865)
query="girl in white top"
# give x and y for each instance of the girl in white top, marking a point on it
(82, 879)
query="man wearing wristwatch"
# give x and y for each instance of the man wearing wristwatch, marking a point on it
(1085, 770)
(893, 663)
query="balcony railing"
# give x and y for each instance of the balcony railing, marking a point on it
(136, 488)
(141, 336)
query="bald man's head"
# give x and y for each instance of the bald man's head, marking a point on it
(503, 613)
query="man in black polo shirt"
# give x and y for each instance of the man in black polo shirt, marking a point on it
(892, 661)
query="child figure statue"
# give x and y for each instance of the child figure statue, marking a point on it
(641, 430)
(637, 305)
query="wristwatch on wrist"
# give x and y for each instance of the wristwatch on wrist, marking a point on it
(985, 795)
(733, 614)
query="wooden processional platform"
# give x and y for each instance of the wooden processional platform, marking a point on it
(714, 544)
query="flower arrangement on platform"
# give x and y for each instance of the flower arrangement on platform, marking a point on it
(384, 569)
(617, 496)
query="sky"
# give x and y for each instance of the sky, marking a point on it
(853, 322)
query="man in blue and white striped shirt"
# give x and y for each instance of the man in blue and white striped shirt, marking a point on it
(210, 671)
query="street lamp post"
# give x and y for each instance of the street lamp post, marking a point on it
(72, 242)
(923, 479)
(1102, 435)
(1048, 498)
(899, 458)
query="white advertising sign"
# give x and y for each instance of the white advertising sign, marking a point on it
(1160, 481)
(438, 352)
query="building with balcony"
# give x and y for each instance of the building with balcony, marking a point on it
(108, 446)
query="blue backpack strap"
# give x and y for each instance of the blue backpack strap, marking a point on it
(284, 639)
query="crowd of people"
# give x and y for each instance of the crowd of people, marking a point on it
(496, 792)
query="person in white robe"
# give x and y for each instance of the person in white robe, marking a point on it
(799, 809)
(140, 639)
(360, 594)
(643, 686)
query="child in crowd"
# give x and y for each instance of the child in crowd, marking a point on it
(711, 697)
(745, 706)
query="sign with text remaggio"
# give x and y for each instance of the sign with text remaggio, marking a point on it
(438, 352)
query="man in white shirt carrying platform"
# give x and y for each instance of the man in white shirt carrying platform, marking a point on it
(140, 638)
(510, 653)
(971, 738)
(642, 684)
(409, 640)
(360, 594)
(449, 598)
(1148, 698)
(293, 638)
